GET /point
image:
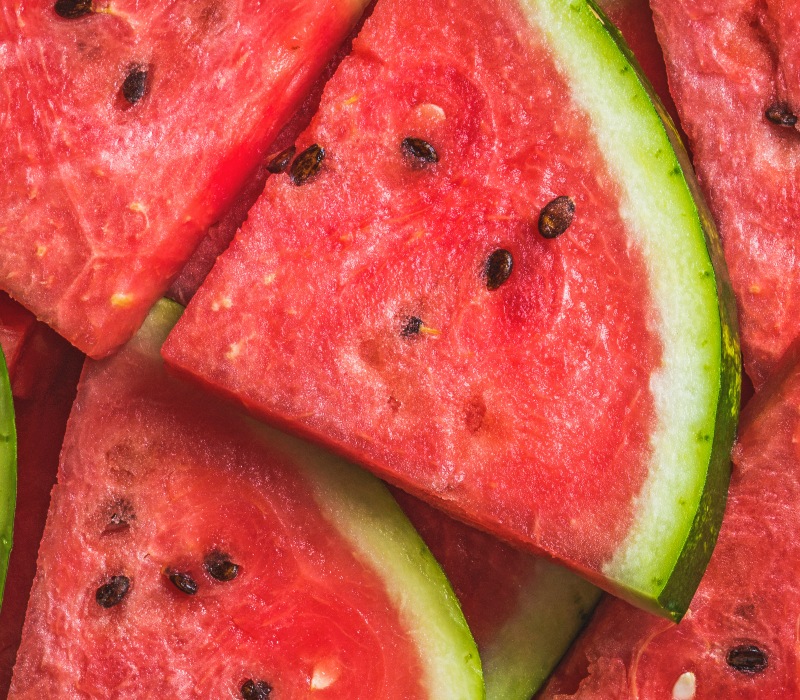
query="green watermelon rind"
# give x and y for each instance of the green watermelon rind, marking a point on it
(363, 511)
(552, 610)
(696, 390)
(8, 471)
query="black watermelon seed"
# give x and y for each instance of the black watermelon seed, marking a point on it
(306, 165)
(255, 690)
(498, 268)
(556, 217)
(183, 582)
(411, 326)
(418, 153)
(747, 658)
(780, 114)
(280, 162)
(220, 567)
(73, 9)
(112, 593)
(135, 85)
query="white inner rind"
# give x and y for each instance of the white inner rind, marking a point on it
(363, 511)
(662, 221)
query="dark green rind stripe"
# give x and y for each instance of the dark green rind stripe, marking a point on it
(8, 471)
(677, 593)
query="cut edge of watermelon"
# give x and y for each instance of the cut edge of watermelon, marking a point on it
(8, 471)
(696, 389)
(363, 511)
(528, 647)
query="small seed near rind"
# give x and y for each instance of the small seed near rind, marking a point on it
(556, 217)
(183, 582)
(307, 164)
(498, 268)
(747, 658)
(110, 594)
(73, 9)
(255, 690)
(135, 85)
(280, 162)
(418, 152)
(780, 114)
(411, 326)
(220, 567)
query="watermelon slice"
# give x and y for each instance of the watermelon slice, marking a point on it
(733, 70)
(128, 128)
(523, 611)
(188, 552)
(40, 423)
(399, 294)
(8, 471)
(739, 639)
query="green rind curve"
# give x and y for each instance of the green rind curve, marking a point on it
(8, 472)
(696, 391)
(363, 511)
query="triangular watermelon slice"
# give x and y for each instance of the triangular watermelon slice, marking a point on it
(485, 278)
(191, 552)
(739, 639)
(734, 70)
(127, 128)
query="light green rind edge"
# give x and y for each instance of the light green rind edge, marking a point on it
(363, 511)
(696, 391)
(8, 472)
(553, 608)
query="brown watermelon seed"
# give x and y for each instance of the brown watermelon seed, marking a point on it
(112, 593)
(73, 9)
(498, 268)
(411, 326)
(418, 153)
(135, 84)
(220, 567)
(747, 658)
(255, 690)
(280, 162)
(556, 217)
(183, 582)
(780, 114)
(306, 165)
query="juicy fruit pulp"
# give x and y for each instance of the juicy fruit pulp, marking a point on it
(738, 641)
(134, 125)
(575, 395)
(189, 550)
(8, 471)
(729, 65)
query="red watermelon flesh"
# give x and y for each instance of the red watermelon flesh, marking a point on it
(128, 128)
(739, 639)
(728, 63)
(41, 420)
(354, 308)
(154, 479)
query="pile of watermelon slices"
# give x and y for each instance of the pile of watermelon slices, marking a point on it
(476, 263)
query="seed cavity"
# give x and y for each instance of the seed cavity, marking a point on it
(498, 268)
(120, 516)
(280, 162)
(112, 593)
(556, 217)
(418, 153)
(255, 690)
(73, 9)
(135, 85)
(780, 114)
(307, 164)
(220, 567)
(747, 658)
(182, 581)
